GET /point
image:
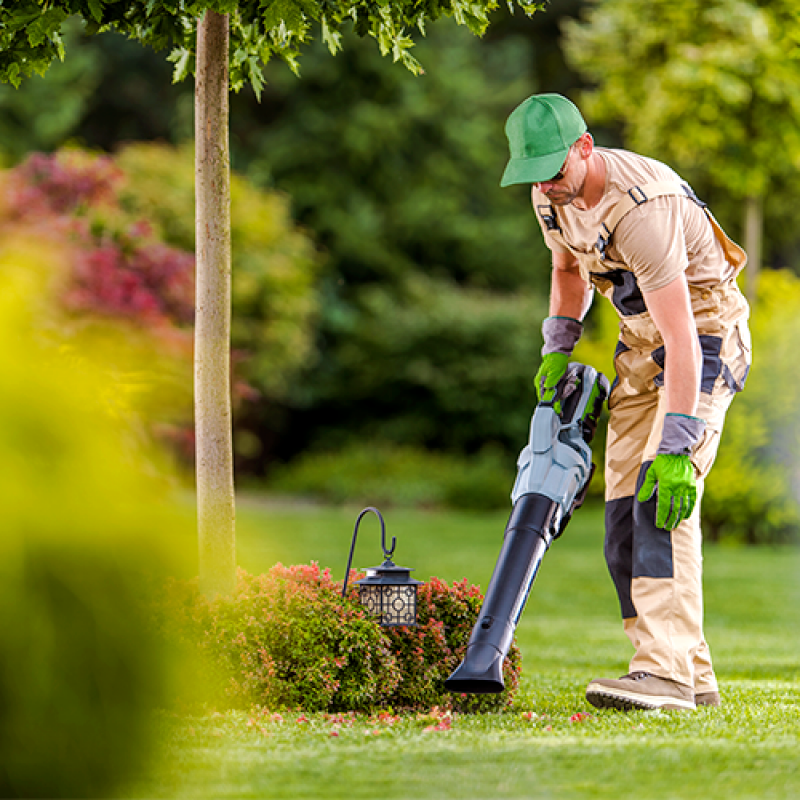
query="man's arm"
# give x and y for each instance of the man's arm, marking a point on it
(671, 310)
(671, 473)
(570, 295)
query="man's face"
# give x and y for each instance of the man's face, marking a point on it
(568, 184)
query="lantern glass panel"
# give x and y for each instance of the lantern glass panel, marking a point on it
(370, 597)
(399, 605)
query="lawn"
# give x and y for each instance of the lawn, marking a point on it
(552, 744)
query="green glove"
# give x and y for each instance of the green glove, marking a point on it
(551, 371)
(677, 491)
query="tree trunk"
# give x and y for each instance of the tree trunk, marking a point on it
(753, 229)
(213, 422)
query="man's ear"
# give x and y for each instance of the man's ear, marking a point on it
(585, 145)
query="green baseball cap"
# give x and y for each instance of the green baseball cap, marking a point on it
(540, 131)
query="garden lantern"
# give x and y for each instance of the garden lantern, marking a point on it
(388, 592)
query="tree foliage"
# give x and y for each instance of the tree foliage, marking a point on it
(31, 30)
(712, 88)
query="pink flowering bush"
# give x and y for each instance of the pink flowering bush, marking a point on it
(287, 639)
(428, 653)
(119, 269)
(122, 227)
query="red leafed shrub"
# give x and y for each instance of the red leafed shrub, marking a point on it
(288, 639)
(64, 183)
(118, 269)
(428, 653)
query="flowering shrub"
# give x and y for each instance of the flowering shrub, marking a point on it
(288, 639)
(428, 653)
(119, 269)
(124, 226)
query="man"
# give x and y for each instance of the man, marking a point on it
(629, 227)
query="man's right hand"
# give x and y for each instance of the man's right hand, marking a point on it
(551, 371)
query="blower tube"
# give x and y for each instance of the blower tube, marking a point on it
(553, 475)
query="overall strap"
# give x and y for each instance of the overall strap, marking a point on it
(548, 214)
(637, 196)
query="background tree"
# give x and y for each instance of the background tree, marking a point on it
(30, 38)
(712, 88)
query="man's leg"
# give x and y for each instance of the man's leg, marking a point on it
(665, 593)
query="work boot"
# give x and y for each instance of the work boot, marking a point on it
(640, 690)
(706, 699)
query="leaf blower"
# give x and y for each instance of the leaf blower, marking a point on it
(553, 474)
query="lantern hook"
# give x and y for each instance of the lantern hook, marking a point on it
(387, 554)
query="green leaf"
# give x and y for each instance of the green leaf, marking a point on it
(182, 59)
(332, 38)
(256, 76)
(13, 75)
(96, 9)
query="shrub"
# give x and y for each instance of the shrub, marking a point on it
(432, 364)
(385, 474)
(126, 228)
(288, 639)
(428, 653)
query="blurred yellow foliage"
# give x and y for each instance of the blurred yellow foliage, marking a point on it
(87, 523)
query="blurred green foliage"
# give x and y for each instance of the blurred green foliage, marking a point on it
(384, 474)
(397, 174)
(435, 365)
(88, 522)
(430, 305)
(753, 493)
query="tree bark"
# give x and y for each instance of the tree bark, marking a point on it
(753, 230)
(213, 420)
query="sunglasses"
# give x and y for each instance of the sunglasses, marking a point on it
(562, 172)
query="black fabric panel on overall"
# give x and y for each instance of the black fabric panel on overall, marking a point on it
(618, 351)
(618, 550)
(711, 347)
(712, 362)
(659, 355)
(626, 295)
(731, 381)
(652, 546)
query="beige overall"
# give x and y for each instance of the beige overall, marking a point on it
(657, 572)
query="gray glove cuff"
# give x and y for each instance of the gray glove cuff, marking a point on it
(681, 434)
(560, 335)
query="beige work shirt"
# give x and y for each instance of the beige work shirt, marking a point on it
(656, 241)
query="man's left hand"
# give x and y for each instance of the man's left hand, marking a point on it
(673, 477)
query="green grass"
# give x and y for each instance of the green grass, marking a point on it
(750, 747)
